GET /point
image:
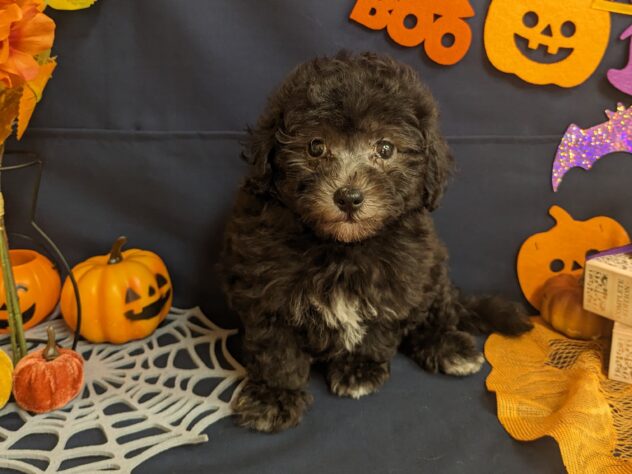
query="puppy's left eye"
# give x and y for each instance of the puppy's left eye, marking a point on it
(384, 149)
(317, 148)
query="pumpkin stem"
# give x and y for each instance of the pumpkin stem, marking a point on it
(115, 254)
(50, 351)
(559, 214)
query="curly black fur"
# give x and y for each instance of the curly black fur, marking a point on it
(313, 281)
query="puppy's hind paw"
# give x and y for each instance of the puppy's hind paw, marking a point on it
(460, 366)
(453, 353)
(270, 409)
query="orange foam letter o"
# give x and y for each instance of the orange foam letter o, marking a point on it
(414, 35)
(448, 55)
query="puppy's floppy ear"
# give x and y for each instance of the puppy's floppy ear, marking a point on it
(438, 161)
(258, 151)
(439, 166)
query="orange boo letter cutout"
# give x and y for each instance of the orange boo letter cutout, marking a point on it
(563, 250)
(546, 41)
(439, 25)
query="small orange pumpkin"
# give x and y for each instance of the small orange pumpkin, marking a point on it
(124, 295)
(562, 308)
(563, 249)
(49, 378)
(38, 285)
(6, 376)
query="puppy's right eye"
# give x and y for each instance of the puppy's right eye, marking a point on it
(316, 148)
(384, 149)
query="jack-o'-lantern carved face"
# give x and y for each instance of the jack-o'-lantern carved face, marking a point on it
(125, 295)
(546, 42)
(149, 302)
(27, 306)
(563, 249)
(38, 286)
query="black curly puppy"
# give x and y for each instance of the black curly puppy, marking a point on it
(331, 253)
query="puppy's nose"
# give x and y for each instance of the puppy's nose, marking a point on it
(348, 199)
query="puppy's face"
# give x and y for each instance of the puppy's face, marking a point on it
(353, 145)
(347, 186)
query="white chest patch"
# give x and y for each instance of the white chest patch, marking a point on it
(342, 313)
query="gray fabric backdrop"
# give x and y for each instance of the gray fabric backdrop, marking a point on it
(140, 131)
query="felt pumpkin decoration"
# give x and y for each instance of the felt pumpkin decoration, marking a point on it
(562, 298)
(546, 42)
(6, 377)
(124, 295)
(563, 249)
(38, 286)
(49, 378)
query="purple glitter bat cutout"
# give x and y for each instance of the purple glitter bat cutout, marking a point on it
(581, 148)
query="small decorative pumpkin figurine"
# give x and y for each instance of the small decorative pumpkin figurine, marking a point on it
(545, 41)
(562, 308)
(49, 378)
(563, 249)
(38, 285)
(6, 377)
(124, 295)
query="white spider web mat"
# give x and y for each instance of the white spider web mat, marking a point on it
(139, 400)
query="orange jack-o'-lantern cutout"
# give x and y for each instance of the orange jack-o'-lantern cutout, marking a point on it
(124, 295)
(546, 41)
(38, 286)
(563, 249)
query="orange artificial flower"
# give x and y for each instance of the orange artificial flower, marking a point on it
(31, 95)
(24, 33)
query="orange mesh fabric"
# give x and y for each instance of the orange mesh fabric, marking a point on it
(549, 385)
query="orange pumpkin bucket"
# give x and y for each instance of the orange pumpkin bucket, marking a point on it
(38, 285)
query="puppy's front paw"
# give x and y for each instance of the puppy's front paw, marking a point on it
(269, 409)
(351, 378)
(453, 353)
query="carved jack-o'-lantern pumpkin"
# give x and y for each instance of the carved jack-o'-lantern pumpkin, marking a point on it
(38, 285)
(546, 42)
(563, 249)
(124, 295)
